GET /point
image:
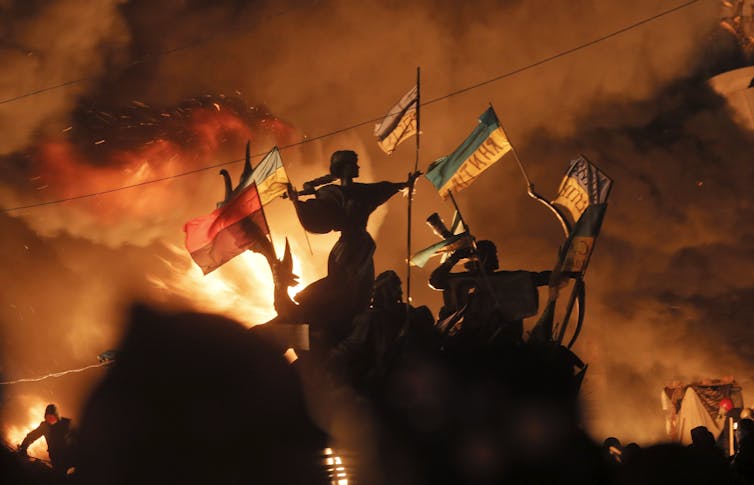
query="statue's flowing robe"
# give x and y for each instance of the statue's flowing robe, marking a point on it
(334, 300)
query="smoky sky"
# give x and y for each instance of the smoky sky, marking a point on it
(669, 286)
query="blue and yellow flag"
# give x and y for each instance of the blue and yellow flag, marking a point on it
(270, 177)
(445, 246)
(578, 247)
(486, 145)
(583, 185)
(400, 123)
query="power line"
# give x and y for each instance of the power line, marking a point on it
(150, 58)
(55, 374)
(565, 52)
(366, 122)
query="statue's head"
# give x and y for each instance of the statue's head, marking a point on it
(387, 289)
(344, 164)
(487, 253)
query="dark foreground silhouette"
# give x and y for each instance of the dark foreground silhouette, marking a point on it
(196, 398)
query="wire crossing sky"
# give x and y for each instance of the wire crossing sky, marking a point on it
(54, 374)
(350, 127)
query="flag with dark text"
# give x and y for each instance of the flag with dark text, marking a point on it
(399, 124)
(583, 185)
(580, 243)
(486, 145)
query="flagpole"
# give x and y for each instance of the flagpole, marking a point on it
(267, 224)
(458, 211)
(306, 235)
(411, 195)
(530, 186)
(482, 272)
(578, 287)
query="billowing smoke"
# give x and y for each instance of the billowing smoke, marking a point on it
(669, 284)
(51, 43)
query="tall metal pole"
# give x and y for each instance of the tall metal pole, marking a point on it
(411, 194)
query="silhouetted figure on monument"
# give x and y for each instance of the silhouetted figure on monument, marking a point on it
(381, 336)
(330, 303)
(483, 305)
(58, 433)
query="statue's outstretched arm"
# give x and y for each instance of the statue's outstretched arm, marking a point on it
(439, 279)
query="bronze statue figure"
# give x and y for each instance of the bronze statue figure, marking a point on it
(330, 303)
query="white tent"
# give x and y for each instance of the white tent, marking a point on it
(693, 414)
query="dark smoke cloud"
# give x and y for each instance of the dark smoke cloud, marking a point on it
(48, 43)
(670, 284)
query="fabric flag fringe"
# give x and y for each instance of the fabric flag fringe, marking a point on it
(218, 237)
(486, 145)
(400, 123)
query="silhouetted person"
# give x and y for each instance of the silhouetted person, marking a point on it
(630, 451)
(672, 463)
(702, 438)
(490, 304)
(58, 433)
(330, 303)
(15, 469)
(742, 465)
(703, 443)
(612, 451)
(727, 412)
(196, 398)
(380, 334)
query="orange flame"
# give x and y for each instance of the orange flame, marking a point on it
(241, 289)
(15, 434)
(94, 159)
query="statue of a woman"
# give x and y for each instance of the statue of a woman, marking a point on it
(330, 303)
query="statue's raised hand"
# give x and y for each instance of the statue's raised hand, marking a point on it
(412, 178)
(290, 192)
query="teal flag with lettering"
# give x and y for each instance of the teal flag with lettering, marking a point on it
(486, 145)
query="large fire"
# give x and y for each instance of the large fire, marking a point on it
(15, 434)
(102, 151)
(241, 289)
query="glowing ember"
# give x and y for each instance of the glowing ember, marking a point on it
(106, 151)
(335, 468)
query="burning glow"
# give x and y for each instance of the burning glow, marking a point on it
(70, 169)
(338, 475)
(106, 151)
(290, 355)
(242, 289)
(15, 434)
